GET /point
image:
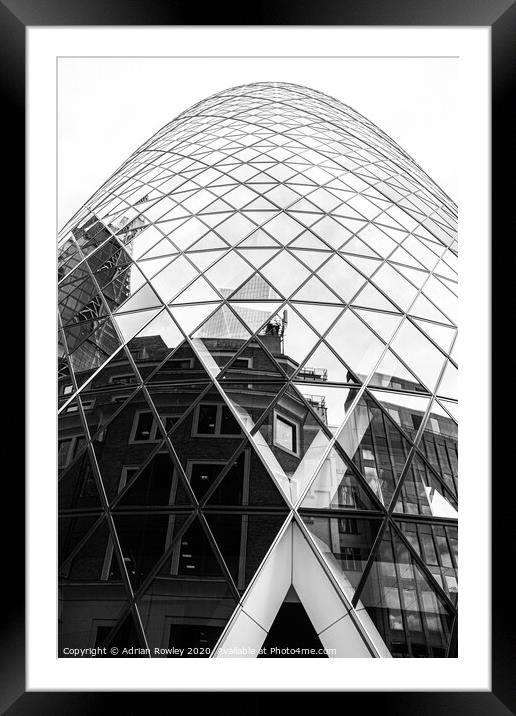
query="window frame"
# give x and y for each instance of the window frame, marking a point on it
(218, 421)
(277, 415)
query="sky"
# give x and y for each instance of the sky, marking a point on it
(107, 107)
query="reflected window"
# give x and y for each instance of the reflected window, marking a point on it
(145, 428)
(285, 434)
(126, 379)
(216, 420)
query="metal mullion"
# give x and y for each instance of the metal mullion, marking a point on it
(452, 646)
(227, 467)
(219, 557)
(283, 374)
(250, 433)
(170, 449)
(241, 602)
(105, 503)
(158, 448)
(370, 561)
(422, 566)
(78, 547)
(348, 604)
(372, 148)
(140, 592)
(190, 409)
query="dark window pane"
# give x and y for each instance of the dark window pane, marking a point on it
(228, 424)
(144, 426)
(207, 419)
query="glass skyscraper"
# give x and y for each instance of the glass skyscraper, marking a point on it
(257, 392)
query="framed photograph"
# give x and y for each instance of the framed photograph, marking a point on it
(261, 240)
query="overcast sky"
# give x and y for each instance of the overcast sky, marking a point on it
(107, 107)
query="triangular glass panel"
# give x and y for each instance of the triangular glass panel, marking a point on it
(290, 428)
(384, 324)
(437, 547)
(393, 284)
(198, 292)
(72, 530)
(323, 365)
(315, 290)
(229, 273)
(243, 541)
(405, 409)
(172, 279)
(342, 278)
(189, 317)
(366, 265)
(448, 384)
(311, 259)
(297, 338)
(203, 259)
(355, 343)
(391, 373)
(337, 487)
(257, 257)
(331, 231)
(308, 241)
(285, 273)
(356, 246)
(94, 562)
(259, 238)
(416, 276)
(257, 315)
(330, 403)
(256, 288)
(93, 351)
(423, 494)
(155, 484)
(344, 540)
(370, 297)
(129, 324)
(151, 267)
(180, 365)
(126, 438)
(407, 611)
(198, 601)
(254, 361)
(442, 335)
(155, 341)
(246, 482)
(125, 637)
(209, 242)
(376, 447)
(451, 407)
(223, 324)
(319, 317)
(142, 299)
(77, 487)
(144, 538)
(250, 400)
(422, 308)
(419, 353)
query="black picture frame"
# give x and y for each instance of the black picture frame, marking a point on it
(500, 16)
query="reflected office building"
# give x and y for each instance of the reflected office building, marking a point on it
(257, 392)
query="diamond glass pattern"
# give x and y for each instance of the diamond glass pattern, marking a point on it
(256, 334)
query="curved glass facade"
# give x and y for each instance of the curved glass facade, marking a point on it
(257, 391)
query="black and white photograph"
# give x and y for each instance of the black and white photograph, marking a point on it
(256, 258)
(257, 446)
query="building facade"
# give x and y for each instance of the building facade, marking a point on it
(257, 392)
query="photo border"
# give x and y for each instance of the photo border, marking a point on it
(501, 18)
